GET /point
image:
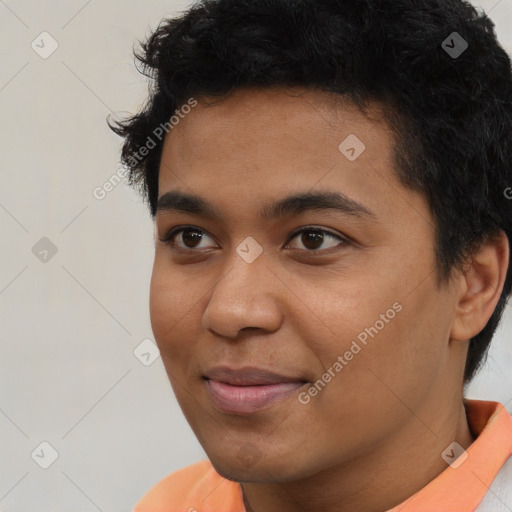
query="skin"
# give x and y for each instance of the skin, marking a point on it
(357, 444)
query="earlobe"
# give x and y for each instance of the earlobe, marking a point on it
(480, 288)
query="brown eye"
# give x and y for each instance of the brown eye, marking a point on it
(191, 237)
(313, 238)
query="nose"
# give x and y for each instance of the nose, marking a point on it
(246, 297)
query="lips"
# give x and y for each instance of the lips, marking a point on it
(247, 390)
(248, 376)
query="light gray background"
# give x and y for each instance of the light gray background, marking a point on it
(69, 326)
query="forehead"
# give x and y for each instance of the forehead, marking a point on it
(258, 115)
(263, 144)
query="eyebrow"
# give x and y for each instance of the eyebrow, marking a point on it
(291, 205)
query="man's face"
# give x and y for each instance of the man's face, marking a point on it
(351, 315)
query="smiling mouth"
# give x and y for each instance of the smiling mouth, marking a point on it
(248, 398)
(249, 389)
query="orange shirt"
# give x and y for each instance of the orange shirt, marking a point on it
(199, 488)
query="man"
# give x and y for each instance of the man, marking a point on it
(329, 183)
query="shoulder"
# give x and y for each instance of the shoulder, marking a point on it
(192, 488)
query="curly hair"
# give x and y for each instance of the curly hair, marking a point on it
(451, 113)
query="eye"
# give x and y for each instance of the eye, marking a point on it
(193, 236)
(312, 238)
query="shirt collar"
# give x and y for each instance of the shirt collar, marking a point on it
(463, 487)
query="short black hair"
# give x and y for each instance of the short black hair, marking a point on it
(449, 106)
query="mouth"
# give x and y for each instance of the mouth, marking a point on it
(248, 390)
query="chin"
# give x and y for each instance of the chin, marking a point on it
(248, 466)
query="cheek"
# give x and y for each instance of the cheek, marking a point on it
(347, 312)
(172, 295)
(172, 303)
(376, 378)
(402, 361)
(384, 334)
(161, 304)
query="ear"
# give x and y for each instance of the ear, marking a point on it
(480, 288)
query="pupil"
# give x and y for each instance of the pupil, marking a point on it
(311, 236)
(196, 236)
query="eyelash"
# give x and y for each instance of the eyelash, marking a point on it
(168, 239)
